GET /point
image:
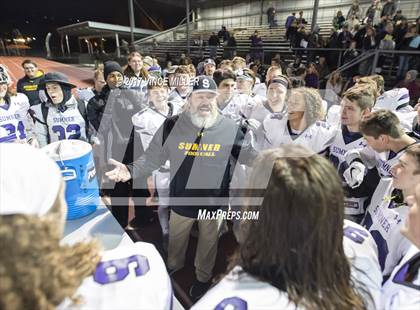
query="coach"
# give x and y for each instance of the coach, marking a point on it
(202, 147)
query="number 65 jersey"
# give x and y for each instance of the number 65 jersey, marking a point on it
(128, 277)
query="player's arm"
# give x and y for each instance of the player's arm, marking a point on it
(40, 130)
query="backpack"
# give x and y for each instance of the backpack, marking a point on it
(44, 110)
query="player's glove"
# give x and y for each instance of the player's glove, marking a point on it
(354, 174)
(253, 124)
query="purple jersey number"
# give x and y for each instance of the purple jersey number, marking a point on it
(118, 269)
(232, 303)
(355, 234)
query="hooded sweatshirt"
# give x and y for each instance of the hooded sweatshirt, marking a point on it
(201, 161)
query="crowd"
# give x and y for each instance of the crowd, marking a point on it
(333, 173)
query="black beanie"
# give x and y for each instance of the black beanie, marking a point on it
(111, 66)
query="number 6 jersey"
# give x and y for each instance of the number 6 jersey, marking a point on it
(128, 277)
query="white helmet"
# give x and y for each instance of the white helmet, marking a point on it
(4, 76)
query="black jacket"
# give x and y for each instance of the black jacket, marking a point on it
(96, 107)
(201, 161)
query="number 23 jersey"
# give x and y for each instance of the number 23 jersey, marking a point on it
(128, 277)
(64, 124)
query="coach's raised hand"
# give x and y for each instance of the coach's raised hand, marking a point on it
(120, 173)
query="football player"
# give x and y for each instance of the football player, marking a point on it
(38, 272)
(62, 117)
(15, 122)
(293, 256)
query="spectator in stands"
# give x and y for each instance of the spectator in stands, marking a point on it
(388, 9)
(300, 20)
(289, 21)
(28, 85)
(229, 51)
(373, 13)
(355, 12)
(400, 29)
(385, 41)
(409, 42)
(311, 76)
(332, 42)
(301, 40)
(271, 16)
(295, 68)
(344, 37)
(209, 67)
(410, 82)
(323, 71)
(369, 43)
(359, 35)
(398, 16)
(338, 20)
(313, 42)
(256, 46)
(334, 88)
(348, 56)
(223, 35)
(213, 44)
(292, 31)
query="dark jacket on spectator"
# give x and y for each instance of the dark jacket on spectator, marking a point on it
(368, 43)
(359, 36)
(388, 9)
(312, 80)
(96, 107)
(344, 39)
(213, 40)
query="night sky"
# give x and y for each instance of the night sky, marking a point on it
(38, 17)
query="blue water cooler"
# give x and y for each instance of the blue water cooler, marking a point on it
(75, 159)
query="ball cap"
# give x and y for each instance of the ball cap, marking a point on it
(209, 61)
(204, 83)
(29, 180)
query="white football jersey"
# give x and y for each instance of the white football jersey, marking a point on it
(239, 290)
(62, 125)
(383, 219)
(397, 292)
(233, 108)
(15, 122)
(177, 100)
(131, 277)
(361, 250)
(147, 121)
(317, 137)
(85, 94)
(261, 110)
(396, 99)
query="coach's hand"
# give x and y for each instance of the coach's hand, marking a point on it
(354, 174)
(120, 173)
